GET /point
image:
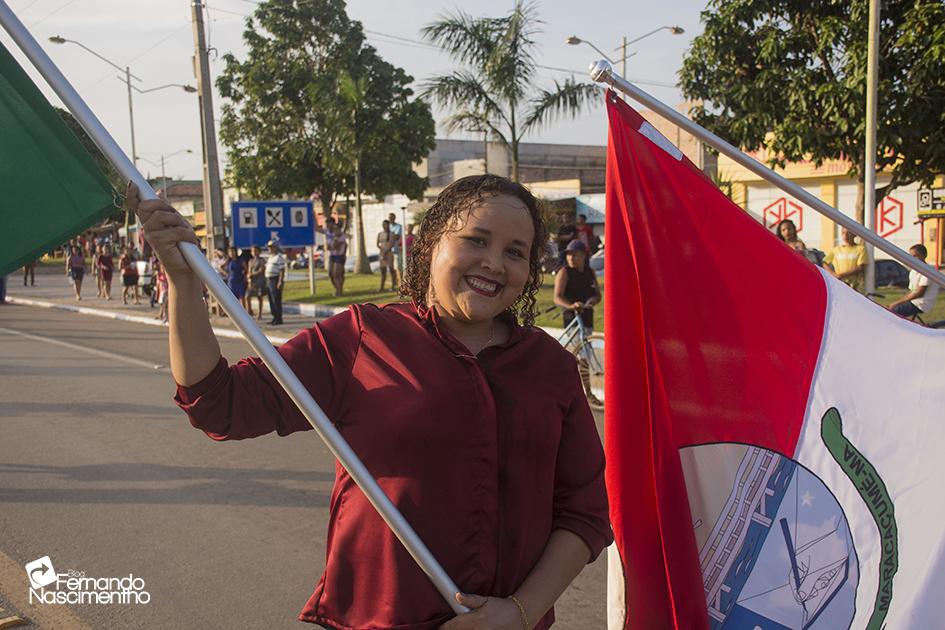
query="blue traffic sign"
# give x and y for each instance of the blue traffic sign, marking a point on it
(258, 222)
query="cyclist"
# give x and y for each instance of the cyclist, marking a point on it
(576, 291)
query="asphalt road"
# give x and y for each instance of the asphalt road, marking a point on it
(103, 474)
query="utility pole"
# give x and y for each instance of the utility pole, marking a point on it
(623, 57)
(212, 192)
(869, 166)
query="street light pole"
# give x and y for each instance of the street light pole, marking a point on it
(163, 160)
(126, 78)
(574, 40)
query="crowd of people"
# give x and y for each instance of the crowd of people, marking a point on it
(847, 262)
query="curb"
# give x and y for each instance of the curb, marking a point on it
(324, 310)
(293, 308)
(98, 312)
(312, 310)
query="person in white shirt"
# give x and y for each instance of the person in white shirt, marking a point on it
(922, 292)
(398, 232)
(275, 280)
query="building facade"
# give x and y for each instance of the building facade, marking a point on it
(907, 215)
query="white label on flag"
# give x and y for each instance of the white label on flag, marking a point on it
(298, 216)
(660, 140)
(274, 218)
(249, 218)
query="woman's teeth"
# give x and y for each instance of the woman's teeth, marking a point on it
(483, 285)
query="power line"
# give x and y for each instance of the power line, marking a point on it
(49, 15)
(20, 11)
(403, 39)
(158, 43)
(640, 81)
(216, 10)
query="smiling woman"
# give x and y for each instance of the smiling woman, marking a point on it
(473, 421)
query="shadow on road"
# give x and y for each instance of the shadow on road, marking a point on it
(214, 486)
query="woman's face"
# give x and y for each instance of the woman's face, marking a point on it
(788, 231)
(575, 258)
(480, 267)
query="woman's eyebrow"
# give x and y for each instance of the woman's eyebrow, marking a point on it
(486, 232)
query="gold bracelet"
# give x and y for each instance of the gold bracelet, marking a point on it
(521, 609)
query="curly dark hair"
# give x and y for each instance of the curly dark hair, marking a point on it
(456, 198)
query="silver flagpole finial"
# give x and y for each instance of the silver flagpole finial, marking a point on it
(601, 71)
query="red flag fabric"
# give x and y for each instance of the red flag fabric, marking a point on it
(774, 439)
(708, 342)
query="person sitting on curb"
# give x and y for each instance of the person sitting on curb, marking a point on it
(922, 291)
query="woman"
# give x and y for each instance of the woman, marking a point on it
(257, 283)
(236, 276)
(97, 251)
(106, 268)
(160, 290)
(576, 291)
(475, 424)
(338, 253)
(75, 269)
(129, 276)
(385, 257)
(786, 231)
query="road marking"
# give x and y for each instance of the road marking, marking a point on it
(15, 588)
(97, 312)
(101, 353)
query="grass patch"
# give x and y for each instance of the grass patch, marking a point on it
(361, 288)
(891, 294)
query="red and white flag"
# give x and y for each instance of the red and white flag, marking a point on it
(775, 441)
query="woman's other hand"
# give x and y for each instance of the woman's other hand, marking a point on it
(163, 228)
(487, 613)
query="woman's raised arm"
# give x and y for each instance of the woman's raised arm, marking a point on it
(194, 349)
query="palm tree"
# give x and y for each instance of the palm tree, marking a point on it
(347, 158)
(495, 92)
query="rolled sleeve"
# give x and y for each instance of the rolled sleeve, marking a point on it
(245, 400)
(580, 499)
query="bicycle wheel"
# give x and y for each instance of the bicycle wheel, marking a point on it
(592, 351)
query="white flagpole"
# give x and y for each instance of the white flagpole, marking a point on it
(273, 360)
(602, 72)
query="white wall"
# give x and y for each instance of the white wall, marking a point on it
(903, 233)
(807, 220)
(374, 216)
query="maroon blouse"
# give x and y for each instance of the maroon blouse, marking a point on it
(485, 456)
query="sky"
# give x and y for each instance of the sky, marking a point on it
(155, 39)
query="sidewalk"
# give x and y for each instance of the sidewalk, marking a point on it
(53, 290)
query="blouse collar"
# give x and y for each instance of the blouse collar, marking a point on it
(433, 321)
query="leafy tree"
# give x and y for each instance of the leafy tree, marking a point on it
(494, 92)
(285, 120)
(791, 77)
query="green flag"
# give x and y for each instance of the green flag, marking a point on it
(50, 187)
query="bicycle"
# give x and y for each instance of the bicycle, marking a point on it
(588, 349)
